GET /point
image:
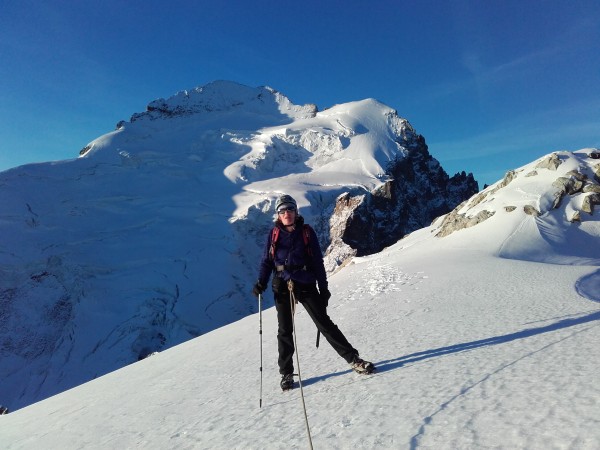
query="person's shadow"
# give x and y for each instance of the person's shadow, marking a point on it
(391, 364)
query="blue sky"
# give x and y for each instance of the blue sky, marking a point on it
(491, 85)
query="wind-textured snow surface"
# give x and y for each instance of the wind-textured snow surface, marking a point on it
(476, 346)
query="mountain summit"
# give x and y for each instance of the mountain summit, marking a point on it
(151, 237)
(225, 97)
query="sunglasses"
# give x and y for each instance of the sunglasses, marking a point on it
(282, 211)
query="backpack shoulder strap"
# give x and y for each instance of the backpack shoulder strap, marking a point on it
(306, 235)
(274, 237)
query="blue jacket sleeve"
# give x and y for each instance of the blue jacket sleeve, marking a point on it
(266, 264)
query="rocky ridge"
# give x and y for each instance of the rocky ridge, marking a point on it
(577, 190)
(418, 191)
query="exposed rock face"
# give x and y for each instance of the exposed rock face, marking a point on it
(575, 183)
(418, 191)
(455, 221)
(339, 253)
(550, 162)
(590, 186)
(531, 211)
(589, 202)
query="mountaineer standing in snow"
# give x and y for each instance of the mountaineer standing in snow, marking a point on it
(293, 254)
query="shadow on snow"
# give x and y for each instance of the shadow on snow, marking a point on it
(391, 364)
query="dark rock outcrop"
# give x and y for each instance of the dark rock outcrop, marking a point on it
(418, 190)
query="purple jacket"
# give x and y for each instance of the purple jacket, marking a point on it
(291, 253)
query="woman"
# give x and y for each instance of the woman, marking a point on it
(292, 253)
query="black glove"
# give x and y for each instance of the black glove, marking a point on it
(325, 296)
(258, 289)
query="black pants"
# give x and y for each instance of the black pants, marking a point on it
(309, 297)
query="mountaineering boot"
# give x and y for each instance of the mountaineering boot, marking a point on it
(361, 366)
(287, 381)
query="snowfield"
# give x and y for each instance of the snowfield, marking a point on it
(473, 351)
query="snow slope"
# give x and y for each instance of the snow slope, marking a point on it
(152, 237)
(477, 346)
(538, 212)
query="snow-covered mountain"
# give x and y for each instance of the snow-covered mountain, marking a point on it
(484, 327)
(152, 236)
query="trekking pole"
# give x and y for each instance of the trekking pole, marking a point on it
(261, 346)
(318, 336)
(293, 306)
